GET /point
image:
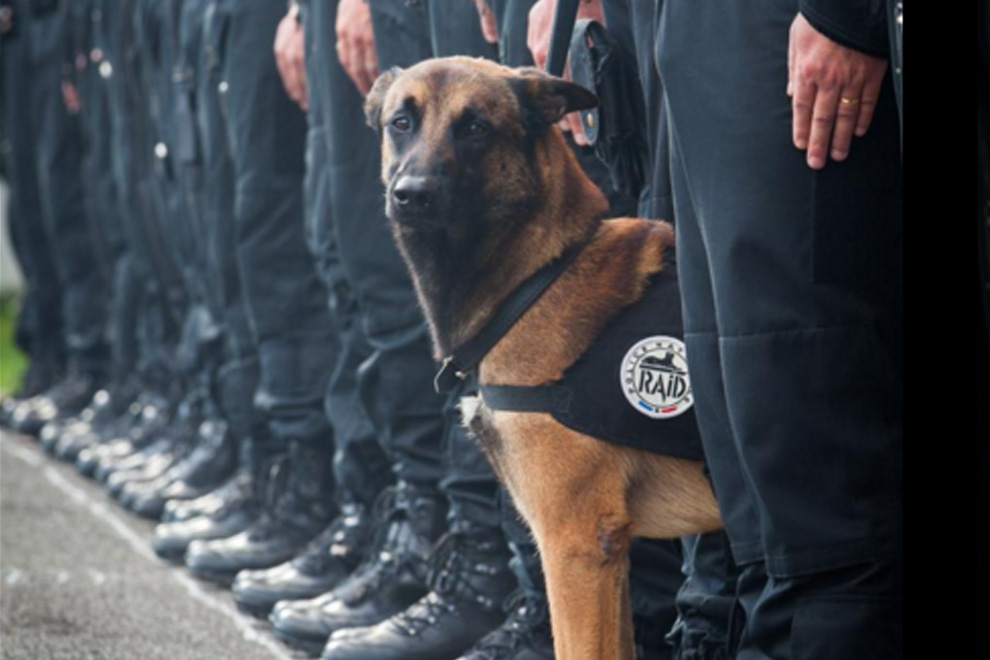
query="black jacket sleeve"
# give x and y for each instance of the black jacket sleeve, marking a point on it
(857, 24)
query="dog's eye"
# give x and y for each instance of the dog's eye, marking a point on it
(476, 129)
(401, 123)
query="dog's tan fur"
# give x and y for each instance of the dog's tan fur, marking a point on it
(583, 499)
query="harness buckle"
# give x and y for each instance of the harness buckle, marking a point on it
(448, 376)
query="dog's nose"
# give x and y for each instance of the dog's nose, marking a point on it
(415, 193)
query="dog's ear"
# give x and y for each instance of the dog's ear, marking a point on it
(551, 97)
(376, 97)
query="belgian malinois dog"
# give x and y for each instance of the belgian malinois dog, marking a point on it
(482, 193)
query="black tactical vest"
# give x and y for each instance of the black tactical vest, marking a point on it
(631, 387)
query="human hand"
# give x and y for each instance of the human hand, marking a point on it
(356, 44)
(833, 90)
(290, 57)
(6, 19)
(538, 36)
(488, 28)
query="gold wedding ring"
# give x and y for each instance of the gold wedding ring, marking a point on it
(845, 101)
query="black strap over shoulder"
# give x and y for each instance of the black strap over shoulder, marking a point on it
(464, 360)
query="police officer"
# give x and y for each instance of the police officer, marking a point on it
(145, 286)
(39, 323)
(85, 89)
(206, 452)
(791, 273)
(360, 467)
(57, 162)
(284, 299)
(235, 506)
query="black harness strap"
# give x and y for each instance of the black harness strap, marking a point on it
(517, 398)
(465, 359)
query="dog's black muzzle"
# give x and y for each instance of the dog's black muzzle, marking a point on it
(418, 201)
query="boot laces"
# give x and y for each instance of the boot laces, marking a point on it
(336, 543)
(426, 612)
(449, 568)
(527, 614)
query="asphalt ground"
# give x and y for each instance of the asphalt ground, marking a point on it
(79, 580)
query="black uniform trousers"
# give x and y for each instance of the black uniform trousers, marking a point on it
(58, 140)
(361, 470)
(792, 307)
(39, 324)
(285, 299)
(146, 285)
(237, 378)
(387, 356)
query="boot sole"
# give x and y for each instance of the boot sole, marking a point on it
(224, 579)
(254, 609)
(311, 646)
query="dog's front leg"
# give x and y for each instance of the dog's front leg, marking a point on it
(573, 492)
(587, 573)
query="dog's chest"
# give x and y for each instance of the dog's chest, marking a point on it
(476, 418)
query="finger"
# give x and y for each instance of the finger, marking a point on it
(285, 70)
(342, 52)
(790, 64)
(289, 82)
(367, 62)
(279, 62)
(301, 87)
(371, 63)
(286, 76)
(802, 104)
(304, 96)
(846, 114)
(822, 125)
(532, 37)
(540, 57)
(868, 104)
(577, 130)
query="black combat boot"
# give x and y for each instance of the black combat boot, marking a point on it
(108, 414)
(97, 412)
(327, 560)
(41, 375)
(393, 577)
(234, 508)
(145, 420)
(212, 459)
(232, 394)
(298, 505)
(65, 399)
(301, 624)
(204, 505)
(469, 581)
(524, 635)
(126, 477)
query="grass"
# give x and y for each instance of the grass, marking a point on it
(12, 361)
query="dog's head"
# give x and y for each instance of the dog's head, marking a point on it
(458, 137)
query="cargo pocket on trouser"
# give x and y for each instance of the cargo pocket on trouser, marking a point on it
(706, 625)
(847, 627)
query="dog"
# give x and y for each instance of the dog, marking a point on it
(486, 200)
